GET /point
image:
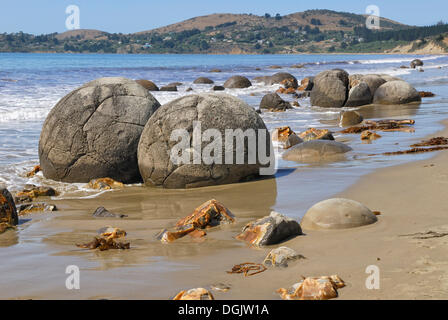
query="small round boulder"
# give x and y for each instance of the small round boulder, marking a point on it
(93, 132)
(203, 80)
(237, 82)
(148, 85)
(166, 154)
(337, 213)
(275, 102)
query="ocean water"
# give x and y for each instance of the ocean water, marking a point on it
(31, 84)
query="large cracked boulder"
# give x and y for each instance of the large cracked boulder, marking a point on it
(330, 89)
(396, 92)
(166, 148)
(374, 81)
(237, 82)
(93, 132)
(359, 95)
(337, 213)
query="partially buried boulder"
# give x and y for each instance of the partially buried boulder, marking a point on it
(396, 92)
(169, 87)
(93, 132)
(349, 118)
(316, 150)
(166, 162)
(337, 214)
(330, 89)
(237, 82)
(359, 95)
(273, 101)
(270, 230)
(203, 80)
(148, 85)
(374, 81)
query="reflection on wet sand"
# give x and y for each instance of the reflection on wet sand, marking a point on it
(149, 210)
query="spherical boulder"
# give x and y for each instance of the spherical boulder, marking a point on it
(316, 151)
(337, 213)
(165, 152)
(93, 132)
(374, 81)
(283, 78)
(330, 89)
(396, 92)
(238, 82)
(148, 85)
(359, 95)
(203, 80)
(273, 101)
(416, 63)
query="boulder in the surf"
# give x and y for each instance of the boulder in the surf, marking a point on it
(237, 82)
(330, 89)
(396, 92)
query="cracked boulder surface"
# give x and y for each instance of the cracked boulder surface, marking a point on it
(93, 132)
(214, 111)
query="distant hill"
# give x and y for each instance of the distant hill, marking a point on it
(82, 34)
(326, 20)
(312, 31)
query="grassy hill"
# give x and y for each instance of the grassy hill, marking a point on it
(316, 31)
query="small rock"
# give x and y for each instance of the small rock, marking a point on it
(426, 94)
(35, 207)
(369, 135)
(194, 294)
(209, 214)
(218, 88)
(33, 172)
(323, 288)
(316, 134)
(279, 257)
(270, 230)
(32, 191)
(216, 70)
(102, 212)
(8, 211)
(222, 287)
(105, 184)
(306, 84)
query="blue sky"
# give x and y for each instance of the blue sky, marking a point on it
(46, 16)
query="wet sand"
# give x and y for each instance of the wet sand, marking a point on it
(411, 198)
